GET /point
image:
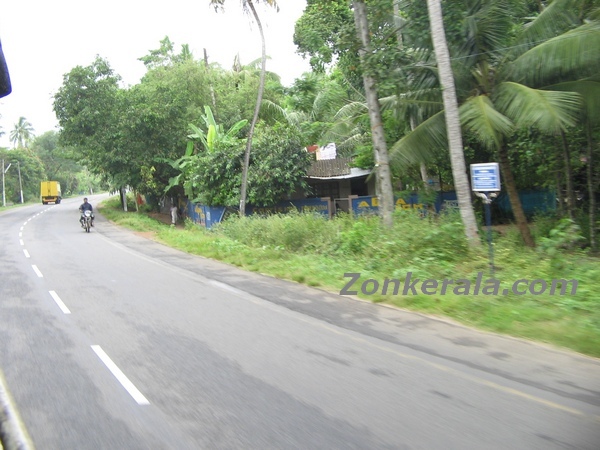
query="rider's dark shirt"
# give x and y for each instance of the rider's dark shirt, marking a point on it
(86, 207)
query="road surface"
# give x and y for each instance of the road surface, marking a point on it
(109, 340)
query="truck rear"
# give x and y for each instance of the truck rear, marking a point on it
(50, 192)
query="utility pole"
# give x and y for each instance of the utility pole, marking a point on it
(20, 183)
(3, 184)
(3, 188)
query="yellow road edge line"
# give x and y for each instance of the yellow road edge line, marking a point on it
(462, 375)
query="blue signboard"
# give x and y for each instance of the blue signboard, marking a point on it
(485, 177)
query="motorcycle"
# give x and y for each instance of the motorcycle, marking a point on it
(86, 221)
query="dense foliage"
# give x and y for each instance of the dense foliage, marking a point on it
(507, 109)
(542, 123)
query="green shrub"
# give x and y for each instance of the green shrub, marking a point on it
(296, 232)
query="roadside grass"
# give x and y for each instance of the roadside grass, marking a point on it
(311, 250)
(12, 205)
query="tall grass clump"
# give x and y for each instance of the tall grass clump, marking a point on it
(429, 245)
(294, 232)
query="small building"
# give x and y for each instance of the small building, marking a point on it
(337, 180)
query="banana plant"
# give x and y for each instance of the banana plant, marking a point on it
(202, 141)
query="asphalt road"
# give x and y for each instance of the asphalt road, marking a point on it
(111, 341)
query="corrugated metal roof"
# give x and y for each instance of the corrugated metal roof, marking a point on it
(354, 172)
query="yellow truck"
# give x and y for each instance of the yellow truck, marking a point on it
(50, 192)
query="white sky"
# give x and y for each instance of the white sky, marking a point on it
(44, 39)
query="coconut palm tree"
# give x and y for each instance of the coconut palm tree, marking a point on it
(457, 156)
(507, 80)
(22, 133)
(248, 5)
(382, 166)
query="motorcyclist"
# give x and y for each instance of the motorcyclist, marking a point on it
(85, 206)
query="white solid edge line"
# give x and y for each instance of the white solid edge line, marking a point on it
(37, 271)
(120, 376)
(226, 287)
(59, 302)
(15, 434)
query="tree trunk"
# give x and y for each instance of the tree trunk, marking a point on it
(259, 96)
(424, 174)
(559, 193)
(398, 23)
(568, 177)
(123, 195)
(591, 179)
(382, 166)
(212, 89)
(513, 196)
(457, 157)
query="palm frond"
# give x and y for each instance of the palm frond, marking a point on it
(329, 98)
(271, 109)
(549, 111)
(422, 144)
(295, 118)
(352, 109)
(416, 104)
(589, 90)
(486, 28)
(572, 55)
(556, 18)
(479, 116)
(347, 146)
(341, 132)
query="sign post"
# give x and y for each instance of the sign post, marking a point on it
(485, 179)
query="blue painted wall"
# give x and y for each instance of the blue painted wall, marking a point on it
(207, 216)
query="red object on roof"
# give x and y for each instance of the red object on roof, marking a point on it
(312, 148)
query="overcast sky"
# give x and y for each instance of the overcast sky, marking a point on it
(44, 39)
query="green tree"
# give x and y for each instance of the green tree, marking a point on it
(165, 55)
(235, 92)
(58, 162)
(210, 171)
(279, 164)
(32, 172)
(320, 31)
(158, 111)
(120, 134)
(498, 91)
(249, 4)
(87, 109)
(311, 104)
(22, 133)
